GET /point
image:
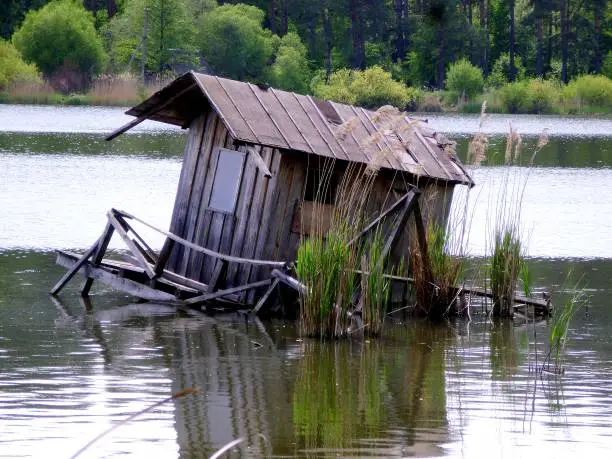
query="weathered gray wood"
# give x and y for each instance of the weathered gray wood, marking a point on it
(198, 200)
(183, 193)
(259, 162)
(118, 225)
(182, 280)
(145, 115)
(288, 280)
(98, 255)
(264, 298)
(254, 227)
(273, 211)
(221, 293)
(114, 281)
(216, 275)
(287, 250)
(422, 240)
(215, 232)
(202, 249)
(409, 204)
(243, 207)
(378, 219)
(74, 269)
(163, 257)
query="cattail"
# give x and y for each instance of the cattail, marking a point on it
(345, 128)
(483, 115)
(509, 144)
(477, 149)
(542, 142)
(517, 146)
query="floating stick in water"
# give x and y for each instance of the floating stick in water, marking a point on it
(183, 393)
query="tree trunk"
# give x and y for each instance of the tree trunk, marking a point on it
(111, 8)
(357, 35)
(564, 39)
(549, 38)
(484, 36)
(539, 19)
(400, 7)
(598, 13)
(272, 15)
(441, 61)
(512, 69)
(327, 31)
(284, 17)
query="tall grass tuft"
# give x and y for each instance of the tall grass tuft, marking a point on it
(506, 262)
(436, 283)
(328, 258)
(375, 288)
(562, 318)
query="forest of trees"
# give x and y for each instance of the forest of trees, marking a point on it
(301, 44)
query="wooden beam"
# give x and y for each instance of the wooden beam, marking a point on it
(422, 240)
(264, 298)
(409, 205)
(163, 257)
(142, 261)
(220, 267)
(377, 220)
(146, 114)
(221, 293)
(259, 162)
(113, 280)
(290, 281)
(201, 249)
(98, 256)
(74, 269)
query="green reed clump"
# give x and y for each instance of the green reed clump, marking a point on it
(436, 284)
(504, 269)
(375, 288)
(322, 266)
(557, 338)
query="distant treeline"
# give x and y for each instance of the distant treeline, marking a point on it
(302, 45)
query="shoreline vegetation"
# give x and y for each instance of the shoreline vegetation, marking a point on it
(587, 95)
(412, 55)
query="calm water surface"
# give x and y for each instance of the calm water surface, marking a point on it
(457, 390)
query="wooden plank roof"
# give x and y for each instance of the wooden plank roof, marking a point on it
(275, 118)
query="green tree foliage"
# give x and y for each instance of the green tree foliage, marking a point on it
(170, 34)
(61, 34)
(464, 79)
(501, 70)
(371, 88)
(13, 69)
(234, 43)
(290, 70)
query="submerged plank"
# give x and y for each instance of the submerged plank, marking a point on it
(113, 280)
(221, 293)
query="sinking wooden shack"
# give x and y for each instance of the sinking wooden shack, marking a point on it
(252, 164)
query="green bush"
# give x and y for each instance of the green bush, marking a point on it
(370, 88)
(501, 70)
(13, 69)
(61, 34)
(529, 96)
(543, 96)
(513, 97)
(464, 79)
(290, 70)
(589, 90)
(234, 43)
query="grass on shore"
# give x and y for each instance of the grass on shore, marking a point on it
(106, 90)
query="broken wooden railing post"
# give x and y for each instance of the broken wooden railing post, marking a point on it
(97, 258)
(75, 268)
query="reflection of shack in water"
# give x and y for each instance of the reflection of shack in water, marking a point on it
(294, 398)
(340, 398)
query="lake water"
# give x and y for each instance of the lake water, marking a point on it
(455, 390)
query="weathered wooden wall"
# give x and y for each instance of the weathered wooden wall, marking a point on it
(262, 226)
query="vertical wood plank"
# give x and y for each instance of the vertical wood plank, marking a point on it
(99, 254)
(181, 202)
(195, 192)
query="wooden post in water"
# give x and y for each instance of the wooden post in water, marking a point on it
(97, 258)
